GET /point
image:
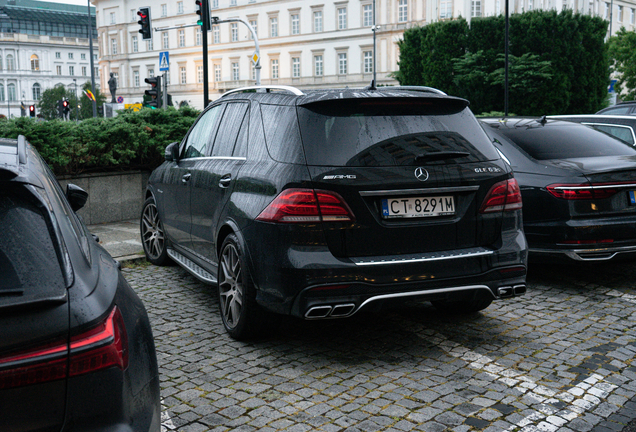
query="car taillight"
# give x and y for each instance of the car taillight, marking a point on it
(586, 190)
(306, 206)
(99, 348)
(503, 196)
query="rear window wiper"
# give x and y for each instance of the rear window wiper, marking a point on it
(441, 155)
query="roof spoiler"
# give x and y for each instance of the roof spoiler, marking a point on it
(22, 149)
(11, 170)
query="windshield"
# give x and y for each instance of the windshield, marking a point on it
(380, 134)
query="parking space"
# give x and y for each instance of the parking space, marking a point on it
(557, 359)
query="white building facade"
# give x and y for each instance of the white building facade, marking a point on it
(304, 43)
(34, 58)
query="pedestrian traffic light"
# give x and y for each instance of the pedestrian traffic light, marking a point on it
(66, 106)
(154, 92)
(32, 110)
(60, 107)
(144, 22)
(202, 11)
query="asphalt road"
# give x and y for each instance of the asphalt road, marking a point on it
(560, 358)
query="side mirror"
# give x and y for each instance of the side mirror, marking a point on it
(76, 196)
(172, 152)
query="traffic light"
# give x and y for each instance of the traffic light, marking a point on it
(66, 106)
(202, 11)
(60, 107)
(154, 92)
(144, 22)
(32, 110)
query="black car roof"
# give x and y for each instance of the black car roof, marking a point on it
(285, 95)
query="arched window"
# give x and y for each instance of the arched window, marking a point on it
(11, 92)
(1, 92)
(35, 63)
(0, 62)
(37, 92)
(10, 65)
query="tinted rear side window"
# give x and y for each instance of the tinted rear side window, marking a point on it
(565, 140)
(390, 133)
(29, 265)
(282, 136)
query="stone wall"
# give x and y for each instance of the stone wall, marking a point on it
(112, 197)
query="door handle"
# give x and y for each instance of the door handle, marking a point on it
(186, 178)
(225, 180)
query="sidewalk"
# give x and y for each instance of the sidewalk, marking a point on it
(121, 239)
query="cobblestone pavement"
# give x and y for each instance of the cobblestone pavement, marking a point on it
(559, 358)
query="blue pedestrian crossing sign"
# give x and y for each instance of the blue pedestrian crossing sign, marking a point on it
(164, 61)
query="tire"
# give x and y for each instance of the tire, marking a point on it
(462, 306)
(242, 317)
(152, 235)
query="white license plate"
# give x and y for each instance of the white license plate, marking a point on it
(418, 207)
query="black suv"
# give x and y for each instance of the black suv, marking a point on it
(621, 108)
(316, 204)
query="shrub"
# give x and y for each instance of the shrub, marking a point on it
(130, 141)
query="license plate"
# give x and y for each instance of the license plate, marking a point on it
(418, 207)
(632, 197)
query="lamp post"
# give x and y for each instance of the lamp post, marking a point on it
(506, 63)
(76, 101)
(90, 43)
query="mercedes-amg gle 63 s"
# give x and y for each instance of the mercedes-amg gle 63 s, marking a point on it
(317, 204)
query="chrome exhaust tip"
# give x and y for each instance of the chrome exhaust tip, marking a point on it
(505, 292)
(318, 312)
(343, 310)
(519, 289)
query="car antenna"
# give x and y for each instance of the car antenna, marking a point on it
(371, 86)
(543, 120)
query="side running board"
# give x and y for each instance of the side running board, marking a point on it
(196, 270)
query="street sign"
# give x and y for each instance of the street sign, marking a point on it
(164, 61)
(255, 58)
(120, 99)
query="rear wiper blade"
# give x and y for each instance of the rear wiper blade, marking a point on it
(441, 155)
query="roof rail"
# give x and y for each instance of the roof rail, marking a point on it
(22, 149)
(415, 88)
(266, 89)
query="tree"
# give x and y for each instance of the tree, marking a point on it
(622, 52)
(459, 60)
(48, 104)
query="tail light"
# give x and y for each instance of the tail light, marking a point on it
(586, 190)
(503, 196)
(99, 348)
(306, 206)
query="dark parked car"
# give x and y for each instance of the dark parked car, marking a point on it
(76, 351)
(319, 204)
(621, 108)
(577, 185)
(621, 126)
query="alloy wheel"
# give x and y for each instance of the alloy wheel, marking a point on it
(152, 232)
(231, 290)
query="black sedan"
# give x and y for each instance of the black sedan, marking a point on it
(76, 351)
(578, 186)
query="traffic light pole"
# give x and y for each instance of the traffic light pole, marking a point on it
(164, 95)
(206, 72)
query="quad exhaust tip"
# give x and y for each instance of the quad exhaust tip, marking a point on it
(326, 311)
(511, 291)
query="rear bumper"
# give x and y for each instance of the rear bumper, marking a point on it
(590, 253)
(551, 238)
(307, 281)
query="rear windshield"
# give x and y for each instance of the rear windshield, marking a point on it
(29, 265)
(367, 133)
(565, 141)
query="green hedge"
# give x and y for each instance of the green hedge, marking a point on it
(130, 141)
